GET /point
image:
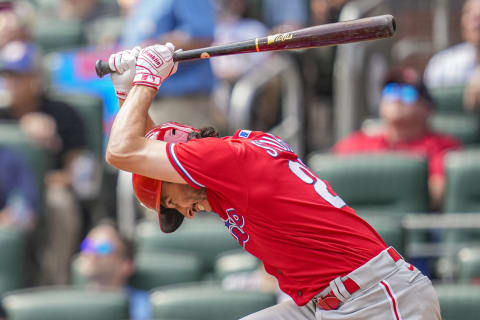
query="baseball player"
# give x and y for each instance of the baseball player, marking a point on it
(327, 259)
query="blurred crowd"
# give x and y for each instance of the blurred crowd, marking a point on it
(55, 114)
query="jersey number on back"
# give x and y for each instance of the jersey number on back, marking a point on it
(307, 176)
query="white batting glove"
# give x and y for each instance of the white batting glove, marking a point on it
(123, 63)
(154, 65)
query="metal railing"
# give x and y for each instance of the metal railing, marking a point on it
(243, 95)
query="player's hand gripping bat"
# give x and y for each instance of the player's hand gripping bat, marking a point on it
(331, 34)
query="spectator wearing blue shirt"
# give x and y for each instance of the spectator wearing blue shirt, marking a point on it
(284, 16)
(106, 262)
(18, 192)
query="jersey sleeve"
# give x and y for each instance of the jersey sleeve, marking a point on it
(207, 163)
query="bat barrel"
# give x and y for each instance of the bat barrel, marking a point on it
(373, 28)
(331, 34)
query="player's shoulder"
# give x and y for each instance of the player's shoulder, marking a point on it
(264, 140)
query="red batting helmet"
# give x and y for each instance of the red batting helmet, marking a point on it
(148, 191)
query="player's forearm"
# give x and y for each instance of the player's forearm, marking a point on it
(150, 122)
(131, 122)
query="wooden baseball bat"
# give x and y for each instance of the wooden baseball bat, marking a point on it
(331, 34)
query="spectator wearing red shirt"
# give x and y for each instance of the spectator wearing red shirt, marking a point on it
(405, 109)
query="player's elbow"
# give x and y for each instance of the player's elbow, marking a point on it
(121, 155)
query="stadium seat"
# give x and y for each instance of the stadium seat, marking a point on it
(464, 127)
(90, 109)
(448, 99)
(207, 302)
(155, 269)
(11, 136)
(53, 34)
(459, 302)
(204, 237)
(234, 261)
(468, 265)
(13, 262)
(463, 174)
(391, 183)
(60, 303)
(389, 228)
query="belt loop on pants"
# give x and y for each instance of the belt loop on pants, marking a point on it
(341, 290)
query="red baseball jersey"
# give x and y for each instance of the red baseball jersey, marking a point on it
(278, 209)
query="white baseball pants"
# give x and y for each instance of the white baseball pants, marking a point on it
(388, 291)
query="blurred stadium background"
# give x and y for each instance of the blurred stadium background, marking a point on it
(312, 98)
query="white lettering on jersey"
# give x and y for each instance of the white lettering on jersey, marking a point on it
(272, 144)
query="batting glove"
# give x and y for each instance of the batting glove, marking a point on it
(154, 65)
(123, 64)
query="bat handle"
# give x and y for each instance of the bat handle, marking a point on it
(102, 68)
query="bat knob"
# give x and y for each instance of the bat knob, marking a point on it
(102, 68)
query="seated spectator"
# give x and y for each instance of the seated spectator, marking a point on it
(57, 128)
(106, 261)
(458, 65)
(18, 192)
(405, 109)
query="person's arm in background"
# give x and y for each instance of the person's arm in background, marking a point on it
(284, 16)
(195, 24)
(471, 96)
(437, 180)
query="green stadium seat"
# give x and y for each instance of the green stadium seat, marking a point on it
(390, 183)
(204, 237)
(12, 137)
(459, 302)
(165, 268)
(235, 261)
(53, 34)
(448, 99)
(90, 109)
(468, 265)
(464, 127)
(60, 303)
(463, 175)
(13, 262)
(155, 269)
(389, 228)
(207, 302)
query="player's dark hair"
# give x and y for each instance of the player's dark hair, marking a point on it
(207, 132)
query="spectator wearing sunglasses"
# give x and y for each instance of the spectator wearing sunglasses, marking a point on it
(106, 261)
(405, 108)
